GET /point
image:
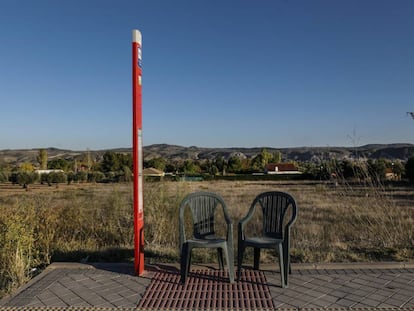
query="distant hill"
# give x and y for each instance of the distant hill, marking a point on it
(181, 153)
(374, 151)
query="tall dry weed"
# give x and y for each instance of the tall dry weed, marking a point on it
(18, 243)
(362, 220)
(356, 220)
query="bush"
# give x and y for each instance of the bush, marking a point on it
(56, 178)
(96, 176)
(25, 178)
(4, 177)
(81, 176)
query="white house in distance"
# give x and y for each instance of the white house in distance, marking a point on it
(41, 172)
(281, 168)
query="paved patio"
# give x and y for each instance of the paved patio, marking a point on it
(76, 286)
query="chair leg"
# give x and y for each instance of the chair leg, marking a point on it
(240, 253)
(185, 262)
(220, 258)
(283, 270)
(230, 263)
(286, 260)
(256, 262)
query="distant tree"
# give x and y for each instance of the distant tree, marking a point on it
(4, 176)
(158, 163)
(397, 168)
(409, 169)
(24, 179)
(171, 167)
(59, 164)
(190, 167)
(124, 175)
(56, 178)
(277, 157)
(346, 169)
(246, 165)
(110, 162)
(221, 164)
(377, 169)
(43, 178)
(125, 160)
(26, 167)
(265, 157)
(71, 177)
(42, 159)
(234, 164)
(209, 167)
(95, 176)
(114, 162)
(323, 171)
(81, 176)
(309, 169)
(260, 161)
(88, 160)
(127, 174)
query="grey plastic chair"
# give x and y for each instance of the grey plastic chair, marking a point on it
(203, 206)
(275, 230)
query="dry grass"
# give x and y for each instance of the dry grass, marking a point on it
(94, 222)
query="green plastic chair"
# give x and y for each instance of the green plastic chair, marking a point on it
(203, 206)
(275, 230)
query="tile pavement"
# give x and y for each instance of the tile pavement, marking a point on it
(75, 285)
(364, 288)
(114, 286)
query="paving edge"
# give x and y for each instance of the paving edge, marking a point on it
(354, 265)
(28, 308)
(32, 281)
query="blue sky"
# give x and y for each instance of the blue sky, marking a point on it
(216, 73)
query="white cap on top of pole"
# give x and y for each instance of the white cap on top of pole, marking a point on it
(136, 36)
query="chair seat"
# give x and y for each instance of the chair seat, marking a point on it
(208, 242)
(262, 242)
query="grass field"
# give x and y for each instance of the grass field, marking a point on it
(94, 222)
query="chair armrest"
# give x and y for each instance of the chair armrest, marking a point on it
(244, 221)
(286, 233)
(230, 232)
(291, 221)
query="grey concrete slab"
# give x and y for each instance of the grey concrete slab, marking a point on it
(371, 287)
(72, 285)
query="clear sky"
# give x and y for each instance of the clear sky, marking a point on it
(216, 73)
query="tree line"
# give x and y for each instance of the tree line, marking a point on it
(117, 167)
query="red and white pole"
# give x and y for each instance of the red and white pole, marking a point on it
(137, 151)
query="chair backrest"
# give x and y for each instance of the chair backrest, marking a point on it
(275, 206)
(203, 206)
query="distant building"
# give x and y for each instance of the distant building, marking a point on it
(281, 168)
(40, 172)
(153, 172)
(390, 175)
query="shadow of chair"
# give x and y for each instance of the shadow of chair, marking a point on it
(203, 206)
(279, 212)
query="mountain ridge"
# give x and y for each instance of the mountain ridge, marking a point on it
(395, 151)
